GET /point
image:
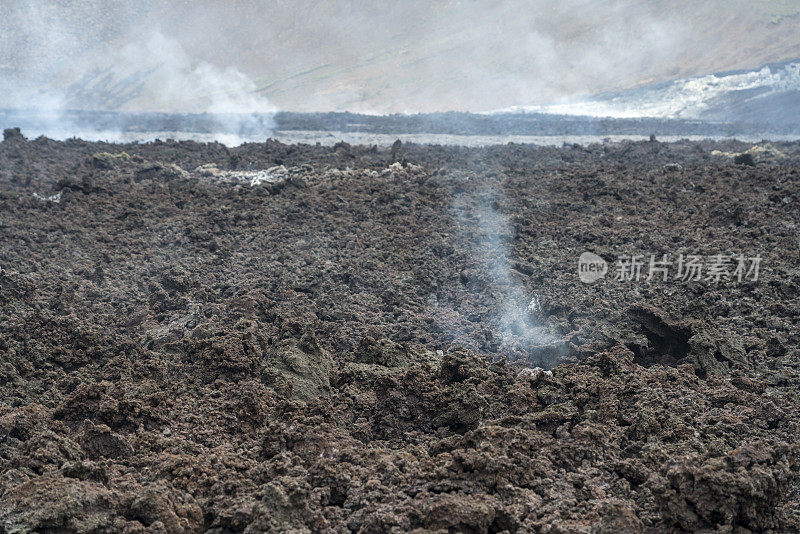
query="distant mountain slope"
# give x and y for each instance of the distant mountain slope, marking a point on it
(769, 95)
(379, 57)
(776, 103)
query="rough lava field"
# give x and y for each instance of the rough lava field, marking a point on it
(342, 339)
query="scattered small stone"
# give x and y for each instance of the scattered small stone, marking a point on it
(13, 134)
(397, 148)
(535, 372)
(106, 160)
(209, 170)
(52, 198)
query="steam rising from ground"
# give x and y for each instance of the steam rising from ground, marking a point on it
(480, 216)
(54, 67)
(157, 74)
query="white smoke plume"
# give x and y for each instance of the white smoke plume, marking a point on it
(55, 68)
(479, 214)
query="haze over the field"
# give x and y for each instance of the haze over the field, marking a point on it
(370, 56)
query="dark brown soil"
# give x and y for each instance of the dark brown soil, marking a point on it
(348, 348)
